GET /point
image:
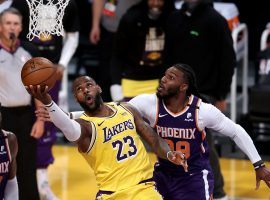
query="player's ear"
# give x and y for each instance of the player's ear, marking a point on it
(183, 87)
(99, 89)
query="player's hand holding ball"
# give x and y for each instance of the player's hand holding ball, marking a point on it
(40, 93)
(39, 76)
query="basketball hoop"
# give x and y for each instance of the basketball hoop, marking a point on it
(46, 18)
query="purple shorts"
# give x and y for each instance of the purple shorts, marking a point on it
(173, 186)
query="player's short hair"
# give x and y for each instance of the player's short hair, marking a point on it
(79, 77)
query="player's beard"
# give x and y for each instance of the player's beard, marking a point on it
(97, 103)
(169, 93)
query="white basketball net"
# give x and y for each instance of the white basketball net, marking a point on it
(46, 18)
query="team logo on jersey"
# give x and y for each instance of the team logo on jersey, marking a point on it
(162, 115)
(182, 133)
(109, 132)
(189, 115)
(99, 124)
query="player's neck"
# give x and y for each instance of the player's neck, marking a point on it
(102, 111)
(176, 103)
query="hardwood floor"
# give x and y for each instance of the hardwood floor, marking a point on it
(71, 178)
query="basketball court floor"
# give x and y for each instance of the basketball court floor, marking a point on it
(71, 178)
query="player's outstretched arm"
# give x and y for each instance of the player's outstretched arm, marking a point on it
(78, 131)
(159, 146)
(215, 120)
(44, 115)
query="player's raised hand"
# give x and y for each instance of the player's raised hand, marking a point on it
(40, 93)
(178, 158)
(262, 173)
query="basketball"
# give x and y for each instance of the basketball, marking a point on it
(39, 71)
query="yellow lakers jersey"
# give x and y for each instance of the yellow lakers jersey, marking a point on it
(116, 153)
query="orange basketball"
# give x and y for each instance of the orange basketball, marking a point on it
(39, 71)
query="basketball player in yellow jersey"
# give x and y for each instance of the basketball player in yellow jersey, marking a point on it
(108, 136)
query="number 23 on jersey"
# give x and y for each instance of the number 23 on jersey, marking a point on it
(125, 148)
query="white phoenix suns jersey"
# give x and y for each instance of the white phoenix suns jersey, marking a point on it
(116, 153)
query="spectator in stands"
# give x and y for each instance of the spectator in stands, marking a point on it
(87, 54)
(106, 16)
(137, 60)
